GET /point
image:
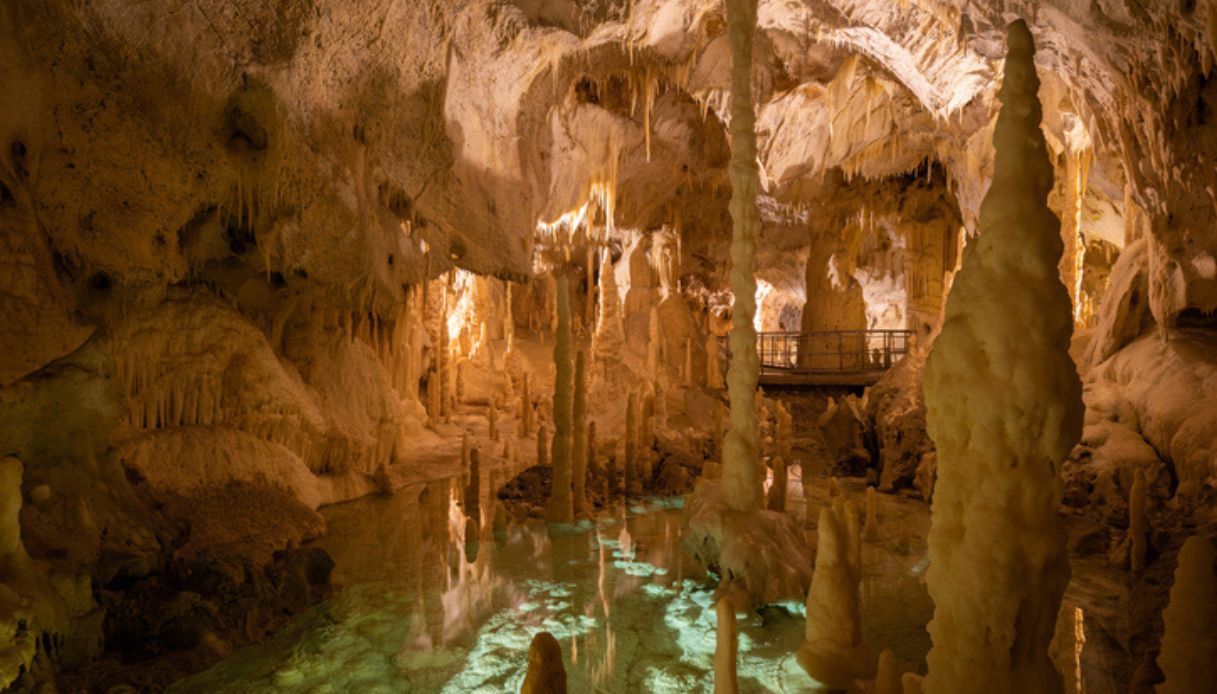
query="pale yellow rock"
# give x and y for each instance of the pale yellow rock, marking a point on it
(1003, 406)
(833, 651)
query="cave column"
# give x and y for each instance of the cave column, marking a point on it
(743, 478)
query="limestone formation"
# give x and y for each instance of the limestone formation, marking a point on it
(1004, 409)
(887, 679)
(870, 529)
(714, 369)
(726, 649)
(630, 461)
(546, 671)
(579, 439)
(1138, 524)
(473, 492)
(742, 474)
(833, 651)
(777, 491)
(543, 444)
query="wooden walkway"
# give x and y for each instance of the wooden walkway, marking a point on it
(826, 358)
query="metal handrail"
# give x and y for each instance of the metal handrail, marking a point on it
(827, 351)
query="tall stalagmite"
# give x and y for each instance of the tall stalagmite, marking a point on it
(833, 651)
(726, 649)
(560, 508)
(1004, 409)
(743, 478)
(609, 338)
(578, 446)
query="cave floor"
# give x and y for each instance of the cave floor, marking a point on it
(418, 609)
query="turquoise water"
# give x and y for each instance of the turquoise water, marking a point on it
(418, 610)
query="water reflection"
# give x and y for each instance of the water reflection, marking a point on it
(433, 600)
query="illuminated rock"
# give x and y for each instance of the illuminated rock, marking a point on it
(1003, 405)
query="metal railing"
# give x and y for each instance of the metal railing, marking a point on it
(829, 351)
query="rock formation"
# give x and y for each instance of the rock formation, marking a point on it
(546, 671)
(1003, 406)
(833, 651)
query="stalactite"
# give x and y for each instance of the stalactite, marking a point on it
(579, 437)
(1003, 407)
(560, 507)
(465, 450)
(726, 649)
(833, 651)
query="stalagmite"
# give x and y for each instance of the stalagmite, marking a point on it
(726, 649)
(579, 438)
(1138, 524)
(783, 431)
(655, 368)
(1188, 658)
(758, 553)
(546, 671)
(631, 444)
(1003, 404)
(560, 507)
(870, 529)
(714, 368)
(887, 679)
(473, 492)
(492, 421)
(526, 422)
(465, 450)
(589, 309)
(543, 446)
(609, 338)
(500, 520)
(1066, 648)
(687, 373)
(612, 477)
(646, 424)
(833, 651)
(592, 463)
(777, 491)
